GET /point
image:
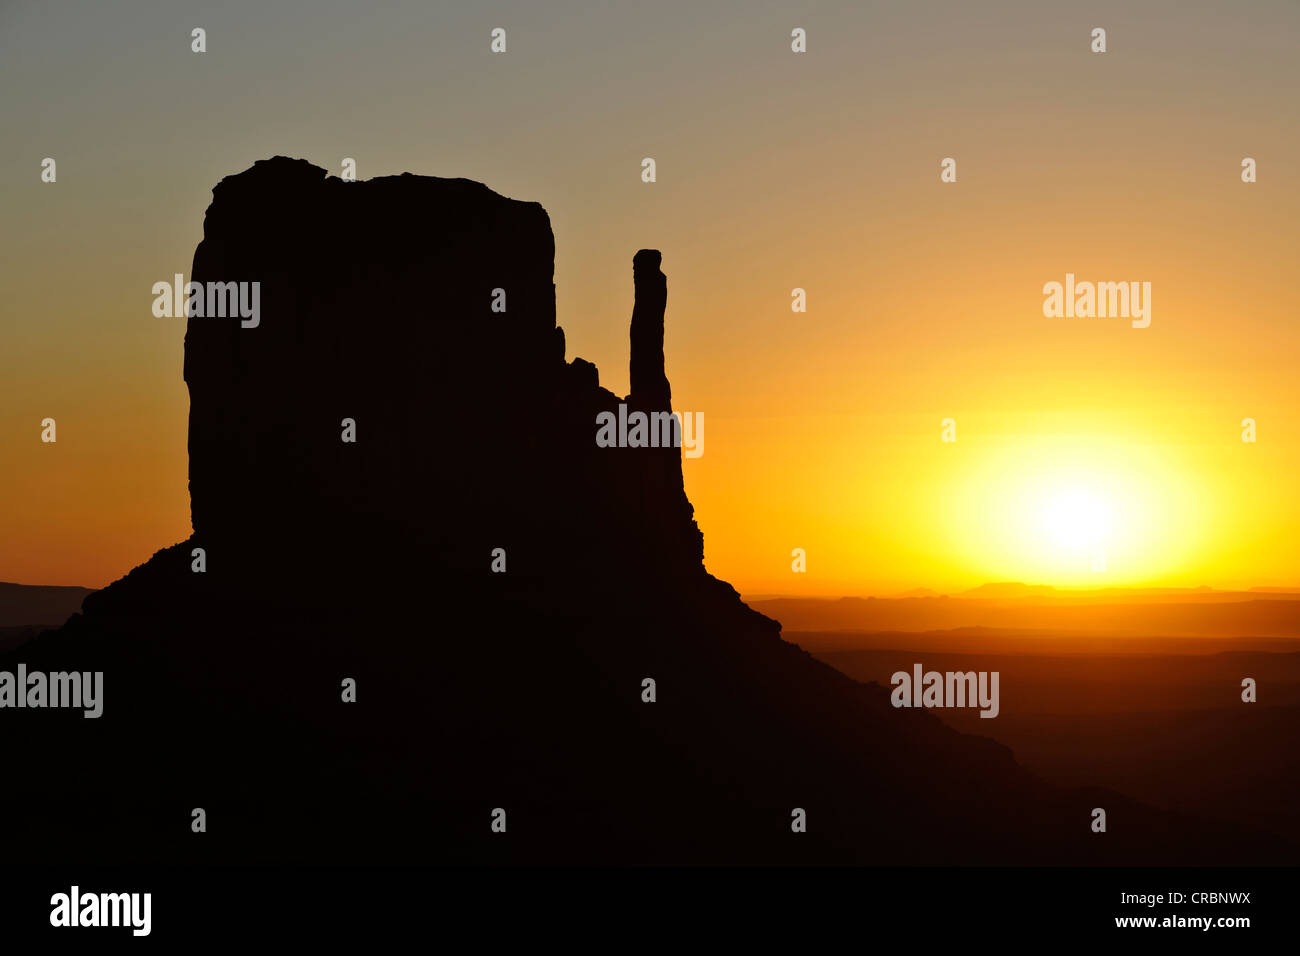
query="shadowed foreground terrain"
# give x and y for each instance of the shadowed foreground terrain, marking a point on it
(1169, 728)
(371, 560)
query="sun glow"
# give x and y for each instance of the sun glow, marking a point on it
(1076, 511)
(1076, 519)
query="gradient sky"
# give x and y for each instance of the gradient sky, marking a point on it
(775, 170)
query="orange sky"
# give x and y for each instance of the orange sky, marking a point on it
(775, 170)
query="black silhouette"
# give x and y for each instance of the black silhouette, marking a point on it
(476, 690)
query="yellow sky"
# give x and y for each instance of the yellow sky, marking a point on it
(775, 171)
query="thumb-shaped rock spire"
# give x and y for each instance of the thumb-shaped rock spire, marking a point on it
(649, 385)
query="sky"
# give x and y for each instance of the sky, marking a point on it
(1087, 452)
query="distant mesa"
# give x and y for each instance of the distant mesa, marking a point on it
(27, 605)
(1009, 589)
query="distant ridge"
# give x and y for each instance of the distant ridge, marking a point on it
(1173, 613)
(1007, 590)
(1010, 591)
(26, 605)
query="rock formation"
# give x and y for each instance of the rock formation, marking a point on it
(371, 560)
(471, 431)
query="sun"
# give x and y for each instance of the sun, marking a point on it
(1076, 519)
(1073, 511)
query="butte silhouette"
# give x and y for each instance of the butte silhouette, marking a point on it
(371, 561)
